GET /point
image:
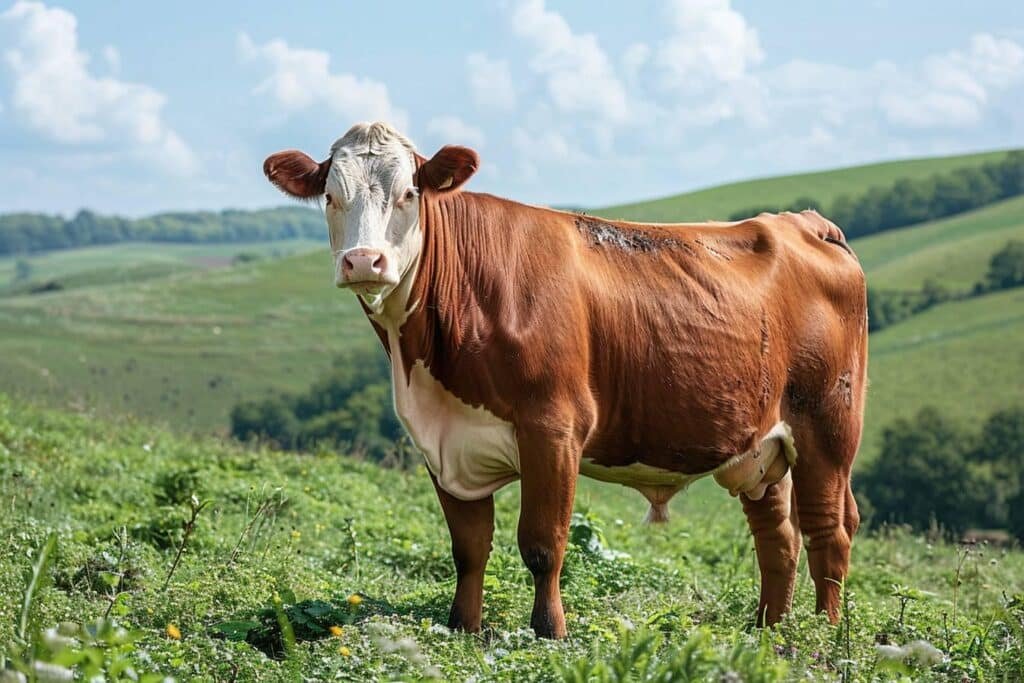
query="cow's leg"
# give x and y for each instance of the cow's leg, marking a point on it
(777, 542)
(549, 466)
(471, 524)
(826, 508)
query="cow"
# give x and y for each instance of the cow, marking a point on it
(536, 345)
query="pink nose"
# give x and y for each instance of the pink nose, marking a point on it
(363, 264)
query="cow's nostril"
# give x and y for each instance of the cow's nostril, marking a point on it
(361, 264)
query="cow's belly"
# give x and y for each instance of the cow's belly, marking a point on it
(748, 473)
(470, 451)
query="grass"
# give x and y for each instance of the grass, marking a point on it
(131, 262)
(182, 349)
(719, 202)
(314, 530)
(954, 251)
(964, 357)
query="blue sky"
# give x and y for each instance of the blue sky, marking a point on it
(139, 107)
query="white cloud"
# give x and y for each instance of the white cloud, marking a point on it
(635, 58)
(578, 74)
(710, 43)
(451, 130)
(954, 89)
(300, 78)
(58, 96)
(112, 57)
(490, 82)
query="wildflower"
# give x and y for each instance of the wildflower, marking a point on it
(296, 534)
(355, 600)
(336, 631)
(344, 651)
(173, 632)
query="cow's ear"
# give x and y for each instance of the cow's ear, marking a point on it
(295, 173)
(448, 169)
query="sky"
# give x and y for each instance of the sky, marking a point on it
(134, 108)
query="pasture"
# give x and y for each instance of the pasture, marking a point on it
(315, 530)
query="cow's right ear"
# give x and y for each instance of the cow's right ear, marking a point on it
(295, 173)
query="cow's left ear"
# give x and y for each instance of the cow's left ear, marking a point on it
(448, 169)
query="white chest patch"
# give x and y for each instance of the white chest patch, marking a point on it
(471, 451)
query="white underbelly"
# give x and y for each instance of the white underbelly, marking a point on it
(470, 451)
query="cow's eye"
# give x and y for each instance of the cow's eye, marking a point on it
(328, 200)
(410, 194)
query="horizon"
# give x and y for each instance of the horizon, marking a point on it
(290, 202)
(99, 107)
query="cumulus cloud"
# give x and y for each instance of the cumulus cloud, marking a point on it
(57, 95)
(953, 89)
(451, 130)
(490, 81)
(710, 43)
(578, 75)
(300, 78)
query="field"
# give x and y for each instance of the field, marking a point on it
(717, 203)
(315, 530)
(130, 262)
(953, 251)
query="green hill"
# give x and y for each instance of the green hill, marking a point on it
(133, 262)
(965, 357)
(954, 251)
(717, 203)
(316, 529)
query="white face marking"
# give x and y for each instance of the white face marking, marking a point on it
(372, 211)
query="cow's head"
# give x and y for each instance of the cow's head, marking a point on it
(372, 183)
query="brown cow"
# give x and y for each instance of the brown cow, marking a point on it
(534, 344)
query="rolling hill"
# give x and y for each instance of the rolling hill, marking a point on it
(824, 186)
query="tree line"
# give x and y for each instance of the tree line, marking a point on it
(908, 201)
(932, 472)
(22, 233)
(349, 409)
(886, 307)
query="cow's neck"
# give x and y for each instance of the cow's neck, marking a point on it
(435, 312)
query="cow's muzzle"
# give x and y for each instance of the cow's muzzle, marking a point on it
(362, 266)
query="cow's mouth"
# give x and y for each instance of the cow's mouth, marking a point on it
(366, 287)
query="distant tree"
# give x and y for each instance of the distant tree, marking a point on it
(1006, 268)
(922, 474)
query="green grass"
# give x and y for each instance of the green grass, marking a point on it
(130, 262)
(954, 251)
(965, 357)
(183, 349)
(336, 527)
(717, 203)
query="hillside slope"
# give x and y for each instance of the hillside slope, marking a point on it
(315, 530)
(953, 251)
(717, 203)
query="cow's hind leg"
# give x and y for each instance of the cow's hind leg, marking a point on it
(471, 524)
(826, 508)
(777, 542)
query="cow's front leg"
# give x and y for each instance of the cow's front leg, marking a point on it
(471, 524)
(548, 467)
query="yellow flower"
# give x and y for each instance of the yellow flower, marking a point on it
(355, 600)
(296, 534)
(336, 631)
(172, 632)
(344, 651)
